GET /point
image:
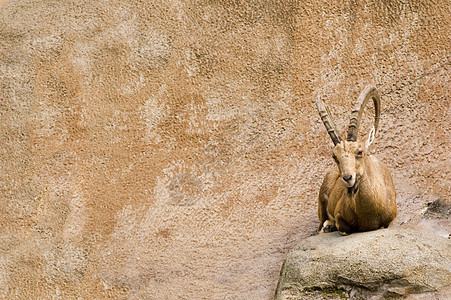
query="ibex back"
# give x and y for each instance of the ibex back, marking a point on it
(359, 195)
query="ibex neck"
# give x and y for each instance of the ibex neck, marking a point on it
(363, 195)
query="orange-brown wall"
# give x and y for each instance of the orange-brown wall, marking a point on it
(172, 149)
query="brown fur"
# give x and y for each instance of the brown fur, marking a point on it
(369, 204)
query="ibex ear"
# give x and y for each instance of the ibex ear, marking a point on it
(371, 136)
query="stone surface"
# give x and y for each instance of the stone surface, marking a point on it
(379, 264)
(172, 149)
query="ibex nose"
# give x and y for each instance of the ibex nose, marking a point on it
(347, 178)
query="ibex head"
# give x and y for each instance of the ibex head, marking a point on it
(350, 154)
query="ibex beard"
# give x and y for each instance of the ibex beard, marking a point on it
(359, 194)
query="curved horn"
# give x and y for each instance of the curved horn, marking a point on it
(369, 92)
(327, 120)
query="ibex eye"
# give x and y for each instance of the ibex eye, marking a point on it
(360, 154)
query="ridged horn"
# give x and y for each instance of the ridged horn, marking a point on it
(369, 92)
(327, 121)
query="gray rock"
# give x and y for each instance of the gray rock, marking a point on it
(377, 264)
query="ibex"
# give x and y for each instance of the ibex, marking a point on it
(359, 195)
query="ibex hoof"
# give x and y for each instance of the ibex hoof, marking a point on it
(343, 233)
(328, 226)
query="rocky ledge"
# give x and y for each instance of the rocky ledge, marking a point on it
(389, 263)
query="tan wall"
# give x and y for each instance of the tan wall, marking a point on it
(172, 149)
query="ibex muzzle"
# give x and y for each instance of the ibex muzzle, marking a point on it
(359, 195)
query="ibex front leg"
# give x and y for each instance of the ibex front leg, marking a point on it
(327, 224)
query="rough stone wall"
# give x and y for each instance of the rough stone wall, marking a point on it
(172, 149)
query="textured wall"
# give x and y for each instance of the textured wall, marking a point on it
(172, 149)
